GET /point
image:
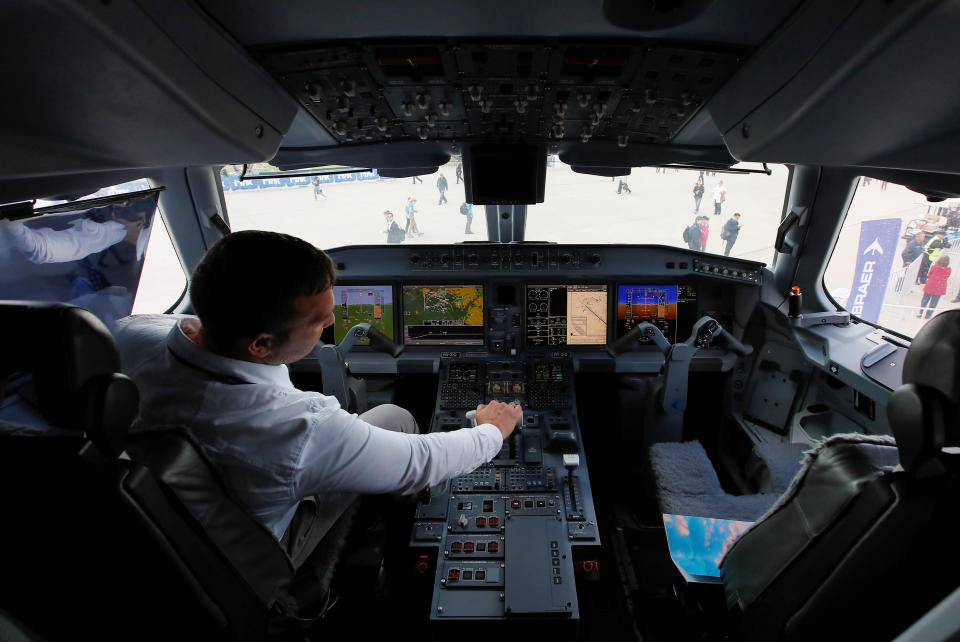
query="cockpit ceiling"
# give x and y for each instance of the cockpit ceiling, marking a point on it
(622, 92)
(738, 23)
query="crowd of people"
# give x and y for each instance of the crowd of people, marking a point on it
(696, 234)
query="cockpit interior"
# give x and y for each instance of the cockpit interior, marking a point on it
(705, 246)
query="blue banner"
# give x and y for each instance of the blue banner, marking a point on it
(875, 254)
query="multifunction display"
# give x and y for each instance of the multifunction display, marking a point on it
(355, 304)
(560, 315)
(672, 308)
(439, 315)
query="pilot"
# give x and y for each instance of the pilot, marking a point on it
(294, 459)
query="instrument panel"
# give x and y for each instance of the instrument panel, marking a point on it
(514, 299)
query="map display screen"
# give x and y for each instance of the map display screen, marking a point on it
(355, 304)
(440, 315)
(560, 315)
(672, 308)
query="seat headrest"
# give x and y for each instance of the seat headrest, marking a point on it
(923, 412)
(75, 367)
(933, 360)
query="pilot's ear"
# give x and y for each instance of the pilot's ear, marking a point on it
(261, 345)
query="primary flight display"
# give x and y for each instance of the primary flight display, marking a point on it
(443, 315)
(672, 308)
(355, 304)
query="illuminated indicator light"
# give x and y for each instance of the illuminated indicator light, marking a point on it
(494, 522)
(515, 503)
(493, 547)
(456, 547)
(468, 547)
(453, 575)
(481, 521)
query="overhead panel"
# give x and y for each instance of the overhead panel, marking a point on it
(623, 92)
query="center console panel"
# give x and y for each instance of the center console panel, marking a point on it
(505, 532)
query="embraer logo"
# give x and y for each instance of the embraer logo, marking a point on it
(874, 247)
(866, 276)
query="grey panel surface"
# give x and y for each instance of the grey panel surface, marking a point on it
(887, 371)
(539, 568)
(469, 604)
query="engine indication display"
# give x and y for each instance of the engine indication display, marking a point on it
(666, 306)
(443, 315)
(355, 304)
(570, 314)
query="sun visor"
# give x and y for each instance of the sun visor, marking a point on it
(601, 171)
(608, 154)
(378, 156)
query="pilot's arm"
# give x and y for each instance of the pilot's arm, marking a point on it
(345, 453)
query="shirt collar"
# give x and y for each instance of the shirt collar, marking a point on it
(224, 368)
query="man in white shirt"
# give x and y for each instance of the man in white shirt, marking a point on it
(263, 299)
(719, 196)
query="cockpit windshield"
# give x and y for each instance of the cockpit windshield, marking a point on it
(700, 210)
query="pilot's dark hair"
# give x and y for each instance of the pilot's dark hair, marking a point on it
(247, 281)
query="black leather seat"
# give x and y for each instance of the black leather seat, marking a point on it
(858, 547)
(170, 552)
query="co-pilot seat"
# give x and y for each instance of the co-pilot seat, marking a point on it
(685, 481)
(858, 547)
(159, 535)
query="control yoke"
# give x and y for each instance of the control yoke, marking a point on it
(349, 391)
(676, 367)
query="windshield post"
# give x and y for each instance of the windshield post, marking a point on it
(506, 223)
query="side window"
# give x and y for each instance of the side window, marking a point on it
(89, 252)
(163, 279)
(897, 260)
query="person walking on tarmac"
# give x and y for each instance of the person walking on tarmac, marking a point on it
(931, 250)
(691, 235)
(623, 187)
(467, 210)
(317, 190)
(459, 172)
(442, 185)
(719, 196)
(698, 190)
(411, 212)
(730, 232)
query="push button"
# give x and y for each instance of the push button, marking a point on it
(453, 575)
(493, 547)
(494, 522)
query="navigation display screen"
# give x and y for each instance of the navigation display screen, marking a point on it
(355, 304)
(672, 308)
(560, 315)
(443, 315)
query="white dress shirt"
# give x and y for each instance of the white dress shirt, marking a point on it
(273, 443)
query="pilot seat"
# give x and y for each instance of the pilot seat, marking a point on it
(156, 531)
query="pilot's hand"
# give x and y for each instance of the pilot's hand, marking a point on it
(503, 416)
